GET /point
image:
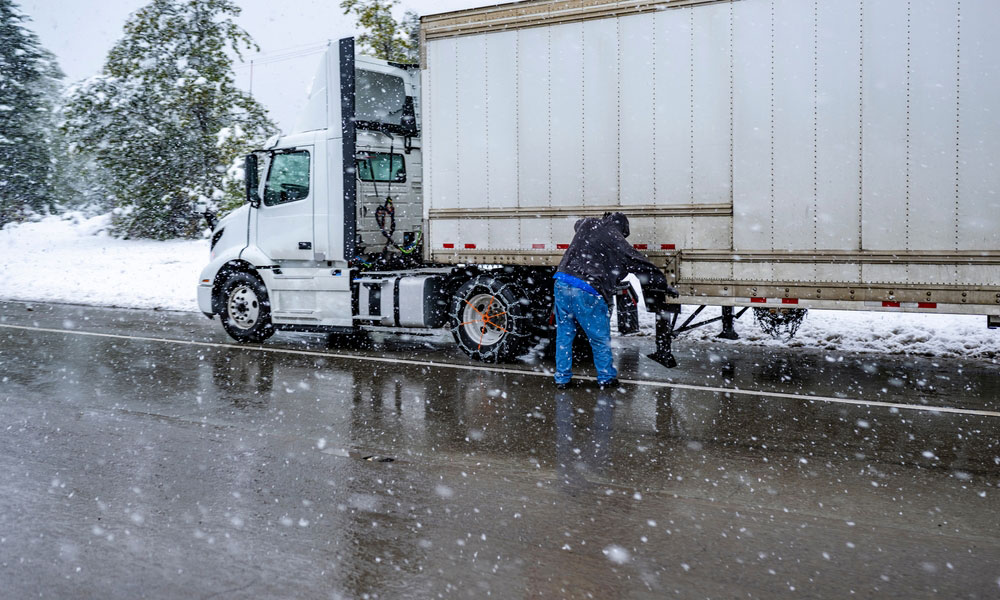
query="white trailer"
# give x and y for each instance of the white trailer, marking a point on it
(769, 153)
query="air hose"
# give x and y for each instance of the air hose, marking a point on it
(387, 210)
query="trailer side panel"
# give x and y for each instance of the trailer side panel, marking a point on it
(841, 150)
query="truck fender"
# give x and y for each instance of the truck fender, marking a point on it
(254, 256)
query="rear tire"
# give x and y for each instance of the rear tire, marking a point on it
(491, 319)
(246, 310)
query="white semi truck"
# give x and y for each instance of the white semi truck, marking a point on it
(778, 154)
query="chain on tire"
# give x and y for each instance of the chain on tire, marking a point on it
(491, 319)
(779, 322)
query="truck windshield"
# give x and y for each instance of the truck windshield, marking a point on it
(379, 98)
(374, 166)
(288, 178)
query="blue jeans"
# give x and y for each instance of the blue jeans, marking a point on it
(573, 306)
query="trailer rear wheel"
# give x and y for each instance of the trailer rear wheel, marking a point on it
(246, 310)
(491, 319)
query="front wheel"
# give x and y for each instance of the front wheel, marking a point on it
(246, 310)
(491, 319)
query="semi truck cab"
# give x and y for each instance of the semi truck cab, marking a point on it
(339, 195)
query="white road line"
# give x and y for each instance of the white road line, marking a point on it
(492, 369)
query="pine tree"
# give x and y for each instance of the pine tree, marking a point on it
(79, 181)
(165, 120)
(29, 80)
(384, 37)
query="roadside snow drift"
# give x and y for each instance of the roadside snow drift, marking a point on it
(73, 259)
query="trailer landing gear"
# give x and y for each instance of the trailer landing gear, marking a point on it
(666, 329)
(728, 331)
(665, 320)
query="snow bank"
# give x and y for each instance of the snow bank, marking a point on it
(838, 331)
(72, 259)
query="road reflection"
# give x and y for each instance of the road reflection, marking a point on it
(244, 379)
(583, 437)
(475, 412)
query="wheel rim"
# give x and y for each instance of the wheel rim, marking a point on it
(484, 319)
(243, 307)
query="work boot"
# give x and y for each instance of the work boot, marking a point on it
(610, 384)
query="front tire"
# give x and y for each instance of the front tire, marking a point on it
(246, 310)
(492, 321)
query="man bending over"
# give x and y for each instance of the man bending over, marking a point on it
(588, 275)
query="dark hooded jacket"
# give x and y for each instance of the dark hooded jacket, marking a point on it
(600, 255)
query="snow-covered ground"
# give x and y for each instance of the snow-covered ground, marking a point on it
(838, 331)
(72, 259)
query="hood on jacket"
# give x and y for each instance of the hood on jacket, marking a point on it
(619, 220)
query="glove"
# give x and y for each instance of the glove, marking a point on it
(656, 299)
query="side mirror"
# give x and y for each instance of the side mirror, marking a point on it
(252, 181)
(409, 118)
(204, 210)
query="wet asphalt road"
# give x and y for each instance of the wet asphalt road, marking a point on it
(181, 466)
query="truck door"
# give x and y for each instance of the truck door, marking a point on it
(285, 220)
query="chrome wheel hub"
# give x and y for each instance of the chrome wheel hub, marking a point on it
(484, 319)
(243, 307)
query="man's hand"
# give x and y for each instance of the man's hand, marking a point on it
(656, 300)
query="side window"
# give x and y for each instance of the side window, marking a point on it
(375, 166)
(288, 178)
(379, 97)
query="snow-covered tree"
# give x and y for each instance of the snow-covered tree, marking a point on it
(385, 37)
(164, 120)
(29, 83)
(79, 181)
(411, 25)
